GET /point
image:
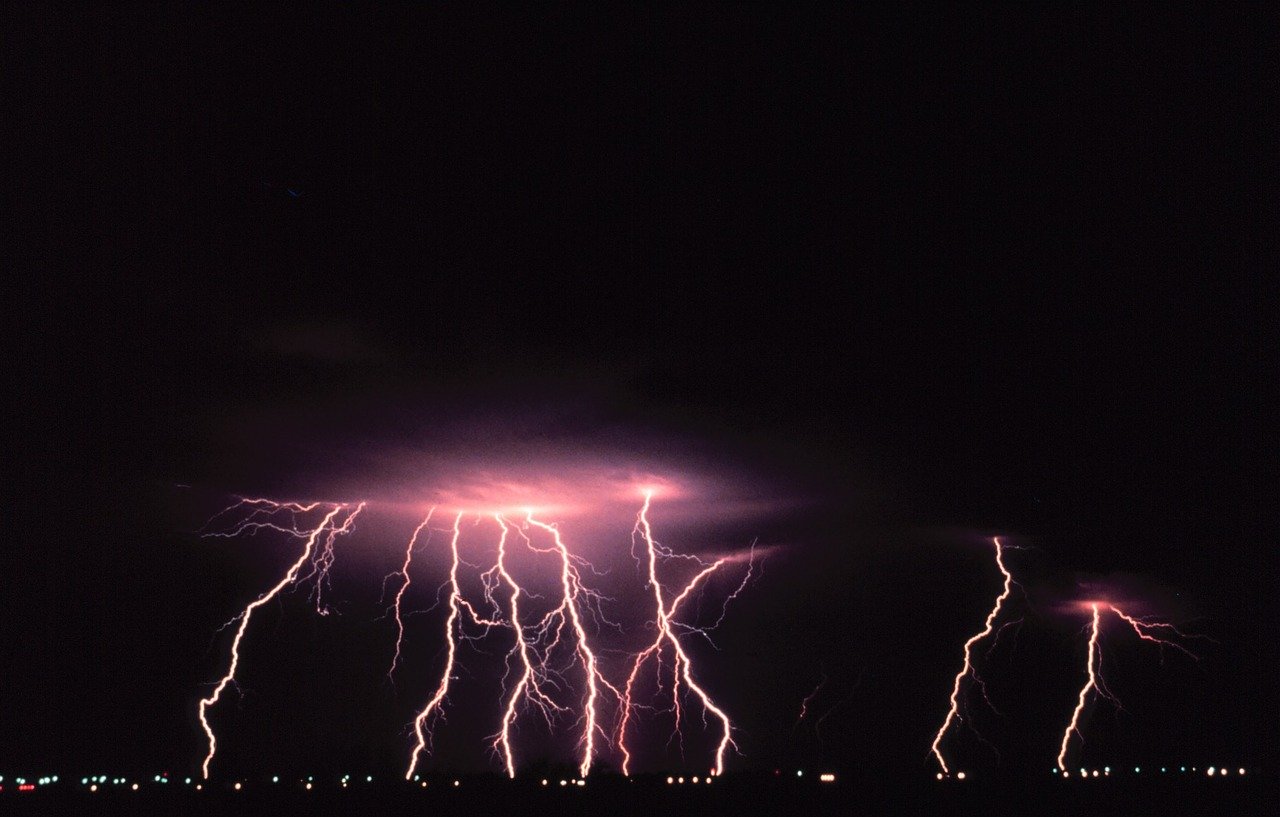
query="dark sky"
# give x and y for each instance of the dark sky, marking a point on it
(938, 274)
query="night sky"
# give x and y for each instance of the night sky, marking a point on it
(903, 279)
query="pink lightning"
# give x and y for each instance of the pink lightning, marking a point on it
(666, 627)
(263, 517)
(404, 585)
(534, 678)
(1093, 665)
(420, 728)
(529, 685)
(569, 611)
(953, 714)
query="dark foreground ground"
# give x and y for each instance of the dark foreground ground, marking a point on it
(727, 796)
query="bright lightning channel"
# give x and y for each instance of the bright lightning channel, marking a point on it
(264, 515)
(666, 632)
(1093, 665)
(953, 714)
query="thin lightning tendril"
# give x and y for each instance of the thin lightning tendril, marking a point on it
(404, 585)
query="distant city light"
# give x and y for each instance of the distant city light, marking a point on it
(134, 787)
(827, 777)
(94, 787)
(959, 775)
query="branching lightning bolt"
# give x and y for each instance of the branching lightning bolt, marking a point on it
(529, 685)
(1091, 668)
(420, 725)
(547, 652)
(1093, 665)
(263, 516)
(666, 633)
(953, 714)
(570, 611)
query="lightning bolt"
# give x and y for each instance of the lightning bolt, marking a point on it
(1093, 665)
(420, 727)
(569, 610)
(404, 585)
(1091, 668)
(263, 516)
(666, 633)
(535, 676)
(953, 714)
(529, 685)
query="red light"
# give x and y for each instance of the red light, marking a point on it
(27, 787)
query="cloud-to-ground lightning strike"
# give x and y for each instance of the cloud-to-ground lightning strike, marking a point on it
(532, 674)
(263, 516)
(1093, 666)
(548, 649)
(569, 611)
(666, 632)
(420, 727)
(953, 714)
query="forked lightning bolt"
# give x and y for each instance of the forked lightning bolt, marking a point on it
(666, 627)
(265, 514)
(570, 611)
(536, 677)
(452, 632)
(1091, 669)
(529, 685)
(953, 714)
(1093, 666)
